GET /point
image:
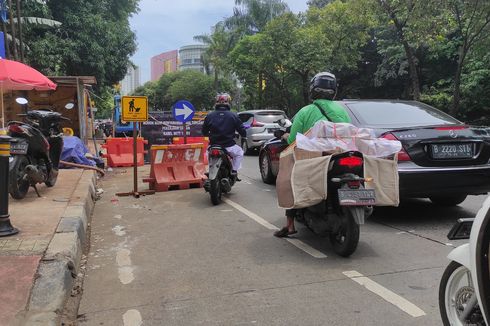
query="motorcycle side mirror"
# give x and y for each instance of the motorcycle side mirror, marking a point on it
(21, 101)
(69, 106)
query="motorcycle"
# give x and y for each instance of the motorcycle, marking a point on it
(220, 179)
(348, 203)
(464, 291)
(35, 150)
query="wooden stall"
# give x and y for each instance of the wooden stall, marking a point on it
(71, 89)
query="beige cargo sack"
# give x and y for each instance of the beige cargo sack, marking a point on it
(385, 180)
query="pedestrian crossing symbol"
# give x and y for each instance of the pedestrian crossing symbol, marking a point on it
(134, 108)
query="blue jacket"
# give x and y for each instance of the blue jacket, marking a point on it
(220, 126)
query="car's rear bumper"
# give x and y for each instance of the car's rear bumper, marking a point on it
(426, 182)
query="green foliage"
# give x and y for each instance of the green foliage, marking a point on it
(189, 85)
(94, 39)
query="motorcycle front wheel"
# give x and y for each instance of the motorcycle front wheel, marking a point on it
(215, 190)
(345, 241)
(18, 184)
(455, 290)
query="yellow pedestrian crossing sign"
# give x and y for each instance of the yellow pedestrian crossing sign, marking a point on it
(134, 108)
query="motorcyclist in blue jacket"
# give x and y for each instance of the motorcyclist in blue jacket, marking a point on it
(220, 126)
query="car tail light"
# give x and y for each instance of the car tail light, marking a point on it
(215, 152)
(351, 161)
(402, 155)
(256, 124)
(16, 129)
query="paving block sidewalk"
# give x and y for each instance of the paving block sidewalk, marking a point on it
(37, 265)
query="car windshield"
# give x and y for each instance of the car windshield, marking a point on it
(398, 114)
(269, 117)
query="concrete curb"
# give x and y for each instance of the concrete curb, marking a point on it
(60, 264)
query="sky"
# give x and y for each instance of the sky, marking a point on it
(164, 25)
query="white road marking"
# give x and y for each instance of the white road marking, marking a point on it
(132, 318)
(119, 230)
(295, 242)
(125, 270)
(386, 294)
(118, 216)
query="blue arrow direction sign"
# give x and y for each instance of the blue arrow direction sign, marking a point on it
(183, 111)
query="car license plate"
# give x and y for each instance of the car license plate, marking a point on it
(451, 151)
(357, 197)
(19, 148)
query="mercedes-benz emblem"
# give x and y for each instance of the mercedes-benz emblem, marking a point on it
(453, 134)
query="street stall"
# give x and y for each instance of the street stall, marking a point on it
(70, 90)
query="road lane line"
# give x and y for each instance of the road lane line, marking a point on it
(386, 294)
(132, 318)
(295, 242)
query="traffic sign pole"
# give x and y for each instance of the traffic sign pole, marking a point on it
(185, 133)
(135, 109)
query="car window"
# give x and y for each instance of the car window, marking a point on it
(269, 117)
(398, 115)
(244, 117)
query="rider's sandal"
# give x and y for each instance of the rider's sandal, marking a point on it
(284, 232)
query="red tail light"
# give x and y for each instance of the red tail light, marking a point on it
(402, 155)
(215, 152)
(350, 162)
(16, 129)
(256, 124)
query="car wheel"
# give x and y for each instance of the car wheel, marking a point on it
(265, 169)
(246, 149)
(450, 200)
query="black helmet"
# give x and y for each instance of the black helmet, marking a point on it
(323, 86)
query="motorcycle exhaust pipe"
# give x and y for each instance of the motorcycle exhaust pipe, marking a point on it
(34, 175)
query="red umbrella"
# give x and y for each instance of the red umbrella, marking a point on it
(18, 76)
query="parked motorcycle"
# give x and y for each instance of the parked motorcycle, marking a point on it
(220, 179)
(464, 291)
(35, 150)
(348, 203)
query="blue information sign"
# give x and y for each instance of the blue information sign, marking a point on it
(183, 111)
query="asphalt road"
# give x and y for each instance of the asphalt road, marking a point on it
(174, 259)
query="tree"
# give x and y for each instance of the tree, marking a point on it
(471, 19)
(216, 56)
(413, 21)
(318, 3)
(94, 39)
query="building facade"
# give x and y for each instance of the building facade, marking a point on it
(131, 81)
(190, 57)
(164, 63)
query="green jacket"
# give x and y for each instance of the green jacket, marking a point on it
(310, 114)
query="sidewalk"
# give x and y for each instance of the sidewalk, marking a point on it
(37, 264)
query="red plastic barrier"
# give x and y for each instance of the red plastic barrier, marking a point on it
(120, 152)
(194, 140)
(177, 167)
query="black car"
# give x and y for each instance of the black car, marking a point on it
(442, 158)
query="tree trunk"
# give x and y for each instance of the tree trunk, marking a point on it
(7, 46)
(12, 28)
(457, 81)
(414, 76)
(216, 79)
(21, 40)
(306, 92)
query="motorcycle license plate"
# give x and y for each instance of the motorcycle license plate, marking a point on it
(357, 197)
(19, 148)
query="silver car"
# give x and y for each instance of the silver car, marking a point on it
(262, 126)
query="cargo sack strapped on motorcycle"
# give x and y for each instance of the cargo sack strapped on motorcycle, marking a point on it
(302, 178)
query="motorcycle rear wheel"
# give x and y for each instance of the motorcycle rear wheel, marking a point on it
(18, 185)
(453, 295)
(345, 241)
(215, 190)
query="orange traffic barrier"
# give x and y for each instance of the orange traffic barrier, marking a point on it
(194, 140)
(120, 152)
(177, 167)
